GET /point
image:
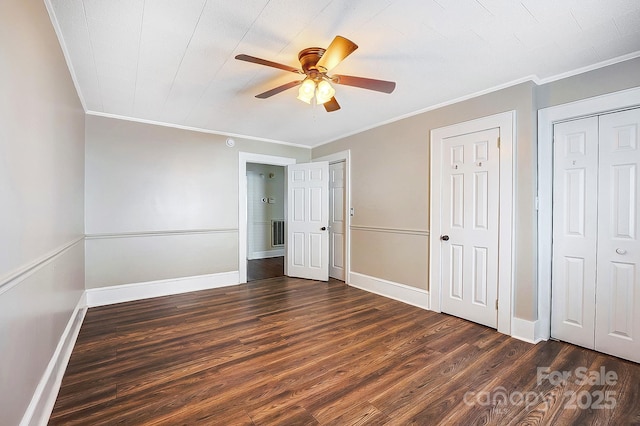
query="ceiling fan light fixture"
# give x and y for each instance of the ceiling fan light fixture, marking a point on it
(325, 92)
(307, 90)
(316, 62)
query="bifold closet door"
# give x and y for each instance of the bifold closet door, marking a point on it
(575, 222)
(617, 329)
(596, 249)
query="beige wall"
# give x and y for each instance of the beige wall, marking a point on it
(162, 203)
(390, 189)
(620, 76)
(41, 199)
(390, 179)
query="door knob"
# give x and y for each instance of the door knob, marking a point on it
(444, 238)
(324, 228)
(621, 251)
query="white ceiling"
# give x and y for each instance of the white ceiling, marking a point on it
(172, 62)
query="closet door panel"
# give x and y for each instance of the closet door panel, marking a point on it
(618, 264)
(575, 202)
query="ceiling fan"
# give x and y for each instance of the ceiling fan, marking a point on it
(316, 62)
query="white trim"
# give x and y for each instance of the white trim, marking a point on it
(423, 233)
(44, 397)
(65, 52)
(335, 158)
(243, 159)
(145, 290)
(396, 291)
(13, 278)
(533, 78)
(525, 330)
(546, 119)
(193, 129)
(477, 94)
(159, 233)
(592, 67)
(506, 122)
(265, 254)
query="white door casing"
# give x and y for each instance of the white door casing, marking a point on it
(547, 117)
(575, 204)
(337, 220)
(243, 159)
(617, 327)
(596, 249)
(307, 242)
(469, 228)
(505, 122)
(345, 158)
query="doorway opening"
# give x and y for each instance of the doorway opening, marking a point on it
(246, 161)
(265, 221)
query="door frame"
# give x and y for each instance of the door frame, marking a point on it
(335, 158)
(243, 159)
(547, 117)
(506, 122)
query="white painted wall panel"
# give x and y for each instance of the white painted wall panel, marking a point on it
(156, 182)
(41, 199)
(151, 178)
(143, 258)
(33, 314)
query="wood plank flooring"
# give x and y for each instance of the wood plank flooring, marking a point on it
(285, 351)
(261, 269)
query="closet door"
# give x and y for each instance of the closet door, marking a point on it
(618, 266)
(575, 204)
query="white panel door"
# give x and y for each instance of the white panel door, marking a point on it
(575, 204)
(307, 220)
(336, 220)
(618, 288)
(470, 211)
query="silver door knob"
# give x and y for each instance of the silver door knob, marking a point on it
(621, 251)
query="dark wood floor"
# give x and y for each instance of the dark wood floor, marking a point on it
(297, 352)
(260, 269)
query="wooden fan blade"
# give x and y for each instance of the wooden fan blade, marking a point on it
(365, 83)
(259, 61)
(275, 91)
(339, 49)
(331, 105)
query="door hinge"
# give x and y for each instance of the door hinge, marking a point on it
(496, 304)
(498, 142)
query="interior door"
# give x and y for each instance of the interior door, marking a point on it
(307, 220)
(575, 205)
(470, 211)
(336, 220)
(618, 280)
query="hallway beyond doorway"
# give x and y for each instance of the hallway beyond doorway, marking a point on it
(260, 269)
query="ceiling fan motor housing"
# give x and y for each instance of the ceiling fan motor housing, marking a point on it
(308, 58)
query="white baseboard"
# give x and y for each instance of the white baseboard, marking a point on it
(145, 290)
(265, 254)
(525, 330)
(44, 397)
(401, 292)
